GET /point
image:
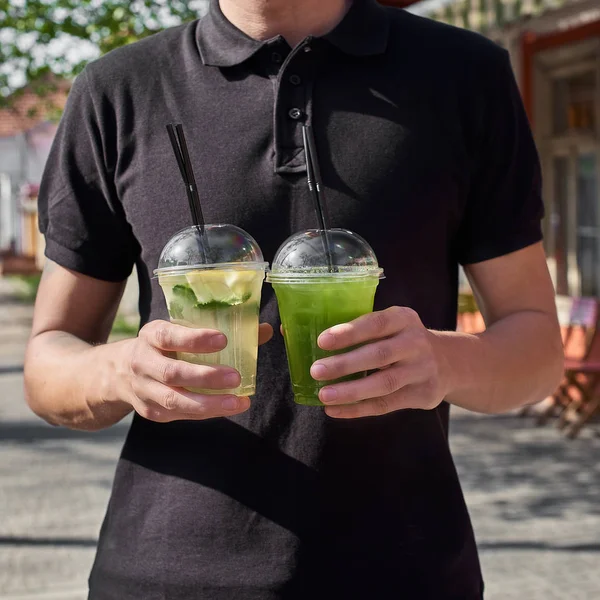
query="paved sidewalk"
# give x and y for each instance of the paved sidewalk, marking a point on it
(54, 483)
(533, 496)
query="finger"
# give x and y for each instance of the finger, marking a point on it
(371, 356)
(158, 414)
(169, 337)
(381, 383)
(265, 333)
(407, 397)
(179, 373)
(158, 401)
(154, 412)
(366, 328)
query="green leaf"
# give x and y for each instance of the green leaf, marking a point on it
(185, 293)
(215, 304)
(175, 310)
(30, 28)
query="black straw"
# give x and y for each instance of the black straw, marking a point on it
(310, 180)
(182, 156)
(318, 182)
(313, 176)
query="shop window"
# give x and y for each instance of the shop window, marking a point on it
(574, 107)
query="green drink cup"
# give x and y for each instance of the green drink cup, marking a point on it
(212, 279)
(321, 279)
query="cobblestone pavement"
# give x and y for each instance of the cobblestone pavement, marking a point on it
(534, 497)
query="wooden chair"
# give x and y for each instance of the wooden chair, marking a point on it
(578, 318)
(580, 391)
(578, 396)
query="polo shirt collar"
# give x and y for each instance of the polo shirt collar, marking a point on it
(362, 32)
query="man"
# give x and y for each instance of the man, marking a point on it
(426, 152)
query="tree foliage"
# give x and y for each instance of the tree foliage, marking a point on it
(43, 37)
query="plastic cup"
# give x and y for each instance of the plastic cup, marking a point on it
(321, 279)
(213, 280)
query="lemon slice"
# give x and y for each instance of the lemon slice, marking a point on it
(226, 287)
(241, 282)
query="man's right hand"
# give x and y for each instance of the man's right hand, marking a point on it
(152, 381)
(75, 379)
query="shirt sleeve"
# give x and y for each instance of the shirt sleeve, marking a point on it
(80, 213)
(504, 207)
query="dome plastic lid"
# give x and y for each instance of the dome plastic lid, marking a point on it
(331, 252)
(217, 246)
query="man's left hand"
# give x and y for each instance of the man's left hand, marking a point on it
(405, 354)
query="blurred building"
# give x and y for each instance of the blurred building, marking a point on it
(555, 51)
(27, 128)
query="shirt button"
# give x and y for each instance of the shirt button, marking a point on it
(276, 57)
(295, 80)
(295, 113)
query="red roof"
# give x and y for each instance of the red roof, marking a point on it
(26, 109)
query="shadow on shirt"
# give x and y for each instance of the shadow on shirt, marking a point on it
(225, 456)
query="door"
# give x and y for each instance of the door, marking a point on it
(588, 222)
(575, 220)
(567, 86)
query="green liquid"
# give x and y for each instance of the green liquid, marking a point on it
(308, 309)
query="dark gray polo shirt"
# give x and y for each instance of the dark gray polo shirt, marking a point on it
(426, 152)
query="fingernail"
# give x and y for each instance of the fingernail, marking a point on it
(333, 411)
(318, 371)
(218, 341)
(326, 340)
(230, 403)
(232, 380)
(328, 395)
